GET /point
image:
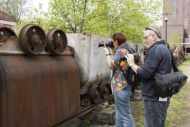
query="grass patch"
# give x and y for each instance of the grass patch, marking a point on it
(186, 61)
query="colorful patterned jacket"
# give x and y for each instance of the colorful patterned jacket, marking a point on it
(118, 80)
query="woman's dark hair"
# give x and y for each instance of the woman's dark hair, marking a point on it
(119, 37)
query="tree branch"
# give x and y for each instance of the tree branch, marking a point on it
(83, 16)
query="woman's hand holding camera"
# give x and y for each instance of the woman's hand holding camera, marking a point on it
(106, 49)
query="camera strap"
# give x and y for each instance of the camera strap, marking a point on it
(129, 77)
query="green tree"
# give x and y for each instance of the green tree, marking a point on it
(99, 16)
(15, 8)
(175, 40)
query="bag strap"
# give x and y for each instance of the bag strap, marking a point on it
(130, 71)
(158, 76)
(173, 64)
(129, 77)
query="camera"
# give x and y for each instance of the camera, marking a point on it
(136, 57)
(107, 43)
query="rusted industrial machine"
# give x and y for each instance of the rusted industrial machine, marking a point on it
(43, 80)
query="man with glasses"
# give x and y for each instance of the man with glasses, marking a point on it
(158, 59)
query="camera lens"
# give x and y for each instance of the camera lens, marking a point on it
(107, 43)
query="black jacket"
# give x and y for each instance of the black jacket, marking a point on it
(158, 59)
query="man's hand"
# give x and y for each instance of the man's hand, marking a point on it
(130, 59)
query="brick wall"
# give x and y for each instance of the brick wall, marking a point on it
(5, 17)
(4, 25)
(171, 30)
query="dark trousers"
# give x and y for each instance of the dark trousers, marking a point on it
(155, 113)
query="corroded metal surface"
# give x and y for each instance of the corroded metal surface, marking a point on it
(84, 111)
(105, 89)
(95, 94)
(56, 41)
(38, 91)
(11, 46)
(6, 32)
(90, 58)
(32, 39)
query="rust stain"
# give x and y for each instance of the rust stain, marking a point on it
(84, 33)
(41, 91)
(97, 75)
(7, 40)
(84, 38)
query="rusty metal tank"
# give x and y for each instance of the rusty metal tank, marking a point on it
(40, 90)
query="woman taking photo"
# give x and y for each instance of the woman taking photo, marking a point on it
(121, 88)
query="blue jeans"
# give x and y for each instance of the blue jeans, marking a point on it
(155, 113)
(123, 111)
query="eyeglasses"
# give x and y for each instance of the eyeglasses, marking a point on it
(147, 28)
(147, 37)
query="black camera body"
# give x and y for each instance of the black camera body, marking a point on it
(136, 57)
(107, 43)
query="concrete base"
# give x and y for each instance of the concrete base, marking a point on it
(136, 95)
(106, 116)
(73, 123)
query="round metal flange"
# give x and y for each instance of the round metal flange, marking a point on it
(6, 31)
(56, 41)
(95, 94)
(105, 89)
(32, 39)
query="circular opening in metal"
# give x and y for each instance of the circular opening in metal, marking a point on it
(34, 30)
(32, 48)
(58, 34)
(55, 49)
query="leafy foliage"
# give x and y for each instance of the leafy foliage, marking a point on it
(86, 122)
(175, 40)
(102, 17)
(15, 8)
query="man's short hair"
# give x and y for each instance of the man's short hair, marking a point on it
(156, 30)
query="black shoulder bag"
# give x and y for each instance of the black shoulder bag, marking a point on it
(168, 84)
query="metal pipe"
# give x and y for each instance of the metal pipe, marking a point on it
(166, 33)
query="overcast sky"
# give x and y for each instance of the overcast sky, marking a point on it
(35, 4)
